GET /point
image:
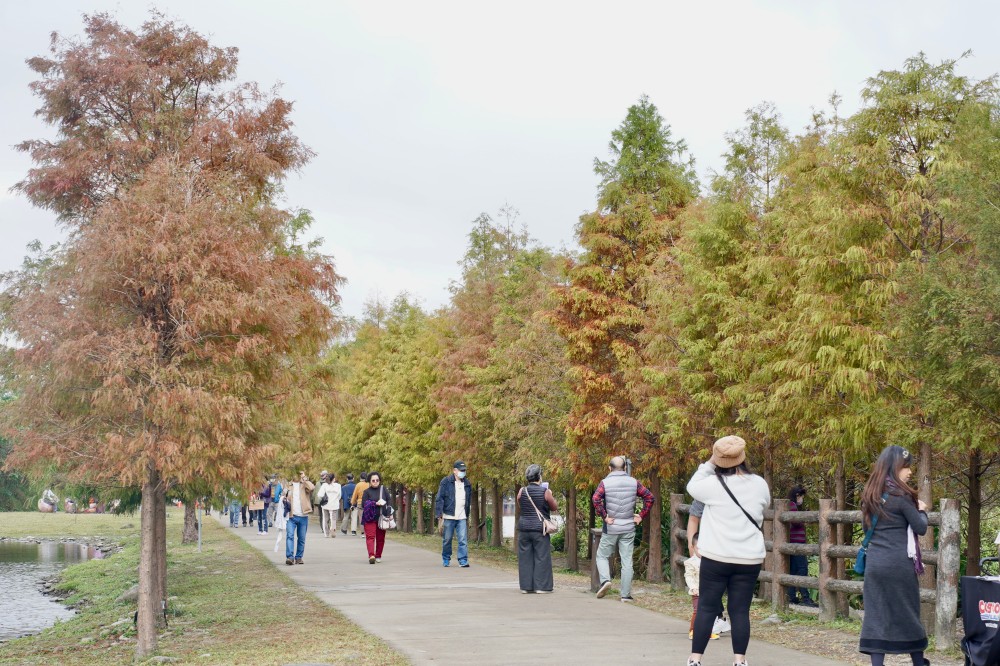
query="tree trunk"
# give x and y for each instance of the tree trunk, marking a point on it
(928, 580)
(474, 518)
(482, 512)
(975, 541)
(655, 566)
(408, 511)
(190, 523)
(572, 539)
(591, 524)
(398, 499)
(420, 511)
(517, 517)
(497, 539)
(161, 553)
(145, 637)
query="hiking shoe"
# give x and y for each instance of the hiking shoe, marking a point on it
(627, 600)
(371, 559)
(298, 560)
(603, 590)
(289, 561)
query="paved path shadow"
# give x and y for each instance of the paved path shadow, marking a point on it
(477, 615)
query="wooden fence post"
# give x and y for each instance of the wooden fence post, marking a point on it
(779, 562)
(677, 544)
(767, 588)
(947, 576)
(827, 598)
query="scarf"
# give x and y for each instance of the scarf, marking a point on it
(912, 543)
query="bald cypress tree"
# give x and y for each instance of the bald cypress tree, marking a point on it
(604, 309)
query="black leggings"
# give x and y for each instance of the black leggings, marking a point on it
(716, 578)
(916, 657)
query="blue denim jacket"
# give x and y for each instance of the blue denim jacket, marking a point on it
(445, 502)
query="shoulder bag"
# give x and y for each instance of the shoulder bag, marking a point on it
(548, 525)
(859, 561)
(386, 520)
(722, 480)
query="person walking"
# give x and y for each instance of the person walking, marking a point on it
(234, 509)
(264, 495)
(614, 501)
(299, 507)
(895, 518)
(798, 565)
(346, 492)
(731, 543)
(329, 503)
(721, 625)
(374, 502)
(452, 505)
(534, 547)
(356, 508)
(692, 578)
(275, 509)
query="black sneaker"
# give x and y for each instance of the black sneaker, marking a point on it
(627, 600)
(809, 602)
(603, 590)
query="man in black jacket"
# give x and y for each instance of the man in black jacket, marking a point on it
(454, 498)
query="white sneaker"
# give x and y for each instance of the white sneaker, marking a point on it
(721, 626)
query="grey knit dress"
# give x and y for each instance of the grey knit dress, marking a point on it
(891, 590)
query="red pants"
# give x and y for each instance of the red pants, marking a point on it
(375, 539)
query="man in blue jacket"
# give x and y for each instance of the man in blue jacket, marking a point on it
(454, 499)
(346, 492)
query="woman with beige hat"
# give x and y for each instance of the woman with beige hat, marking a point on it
(730, 542)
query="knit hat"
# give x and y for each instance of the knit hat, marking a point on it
(728, 451)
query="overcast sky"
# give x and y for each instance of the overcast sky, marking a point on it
(424, 114)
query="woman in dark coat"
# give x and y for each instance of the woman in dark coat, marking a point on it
(534, 548)
(374, 503)
(891, 590)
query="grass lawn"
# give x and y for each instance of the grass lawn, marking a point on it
(228, 604)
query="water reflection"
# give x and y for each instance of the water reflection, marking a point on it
(23, 566)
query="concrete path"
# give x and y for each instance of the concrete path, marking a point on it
(477, 615)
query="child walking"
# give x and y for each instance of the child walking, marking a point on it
(692, 573)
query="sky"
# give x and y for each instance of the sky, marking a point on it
(425, 114)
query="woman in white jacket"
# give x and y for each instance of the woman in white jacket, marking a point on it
(730, 543)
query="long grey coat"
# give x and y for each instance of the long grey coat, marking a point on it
(891, 590)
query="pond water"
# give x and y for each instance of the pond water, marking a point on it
(23, 567)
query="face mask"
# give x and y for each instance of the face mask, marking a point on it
(461, 474)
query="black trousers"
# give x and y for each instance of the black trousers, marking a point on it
(716, 579)
(534, 561)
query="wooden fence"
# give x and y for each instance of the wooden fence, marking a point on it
(775, 572)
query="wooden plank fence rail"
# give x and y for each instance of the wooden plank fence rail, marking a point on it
(775, 576)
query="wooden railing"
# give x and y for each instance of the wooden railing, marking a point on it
(945, 558)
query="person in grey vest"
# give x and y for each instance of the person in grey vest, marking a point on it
(615, 502)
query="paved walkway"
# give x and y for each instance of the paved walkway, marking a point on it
(477, 615)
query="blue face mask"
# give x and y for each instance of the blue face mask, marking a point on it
(461, 474)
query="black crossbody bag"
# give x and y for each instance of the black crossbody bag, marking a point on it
(722, 480)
